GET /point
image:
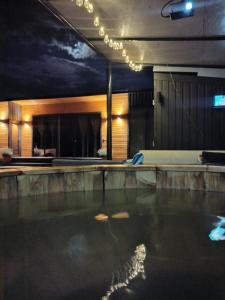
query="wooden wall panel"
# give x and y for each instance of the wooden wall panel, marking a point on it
(53, 109)
(3, 135)
(185, 118)
(119, 107)
(26, 141)
(4, 111)
(15, 139)
(4, 125)
(119, 138)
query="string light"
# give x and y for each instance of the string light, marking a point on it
(115, 45)
(106, 39)
(102, 31)
(121, 46)
(86, 4)
(124, 53)
(110, 43)
(90, 8)
(96, 21)
(79, 3)
(127, 59)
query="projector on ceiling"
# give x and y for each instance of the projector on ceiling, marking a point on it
(181, 9)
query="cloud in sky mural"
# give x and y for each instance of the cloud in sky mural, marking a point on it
(42, 57)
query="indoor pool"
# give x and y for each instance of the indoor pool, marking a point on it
(121, 245)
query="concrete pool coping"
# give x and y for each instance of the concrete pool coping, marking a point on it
(28, 181)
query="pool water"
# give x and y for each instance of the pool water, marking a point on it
(121, 245)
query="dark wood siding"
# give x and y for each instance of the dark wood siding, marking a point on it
(141, 121)
(184, 117)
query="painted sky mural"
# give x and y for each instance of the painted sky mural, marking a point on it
(42, 57)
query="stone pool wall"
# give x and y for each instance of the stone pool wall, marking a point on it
(27, 181)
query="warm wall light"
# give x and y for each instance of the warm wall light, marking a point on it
(26, 122)
(119, 119)
(26, 125)
(27, 118)
(3, 117)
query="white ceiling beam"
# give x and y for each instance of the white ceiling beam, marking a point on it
(201, 72)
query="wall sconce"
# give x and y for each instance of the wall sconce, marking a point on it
(119, 117)
(5, 122)
(26, 123)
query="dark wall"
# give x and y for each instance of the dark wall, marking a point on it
(126, 80)
(184, 117)
(141, 121)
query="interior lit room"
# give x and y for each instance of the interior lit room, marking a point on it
(112, 149)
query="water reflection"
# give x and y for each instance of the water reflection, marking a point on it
(218, 233)
(78, 248)
(133, 268)
(119, 215)
(101, 217)
(52, 247)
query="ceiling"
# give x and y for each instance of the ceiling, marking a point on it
(132, 20)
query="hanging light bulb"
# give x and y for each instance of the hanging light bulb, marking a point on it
(130, 63)
(79, 3)
(121, 45)
(90, 8)
(115, 46)
(140, 67)
(110, 43)
(127, 59)
(86, 3)
(106, 39)
(96, 21)
(133, 67)
(124, 53)
(102, 31)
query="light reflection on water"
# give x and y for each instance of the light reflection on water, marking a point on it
(133, 268)
(218, 233)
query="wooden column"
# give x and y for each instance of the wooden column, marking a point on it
(109, 112)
